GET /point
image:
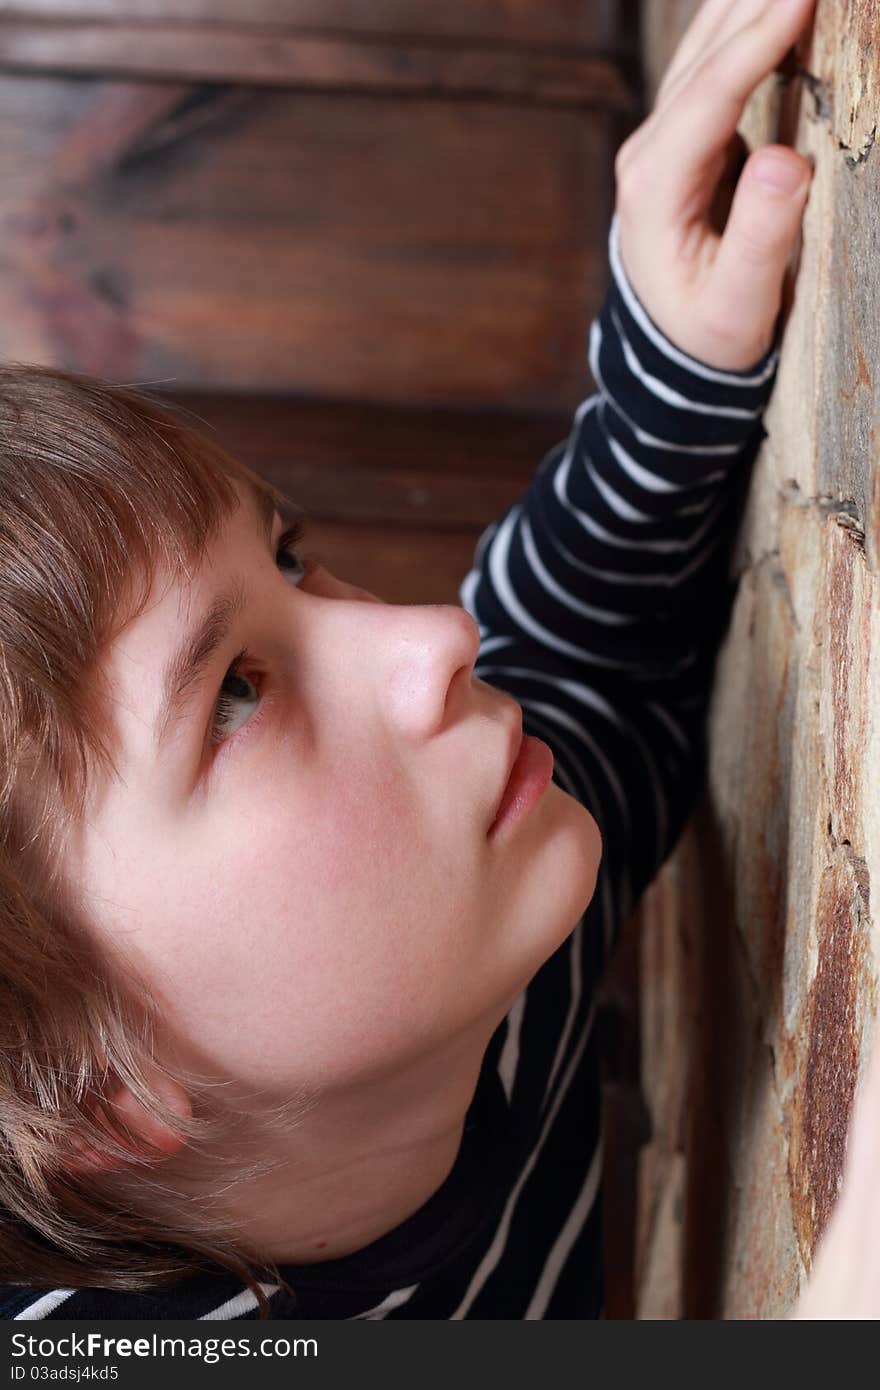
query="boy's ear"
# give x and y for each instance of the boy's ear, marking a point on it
(135, 1118)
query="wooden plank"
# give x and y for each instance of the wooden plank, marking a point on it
(769, 1015)
(348, 462)
(361, 248)
(281, 58)
(602, 26)
(398, 564)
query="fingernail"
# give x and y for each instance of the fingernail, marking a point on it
(779, 173)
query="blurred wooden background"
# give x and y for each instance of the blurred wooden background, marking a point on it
(362, 242)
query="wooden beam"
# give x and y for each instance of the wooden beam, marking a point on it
(287, 58)
(599, 26)
(382, 465)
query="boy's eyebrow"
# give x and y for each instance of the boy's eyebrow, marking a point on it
(187, 663)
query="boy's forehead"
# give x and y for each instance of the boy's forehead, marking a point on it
(177, 595)
(176, 588)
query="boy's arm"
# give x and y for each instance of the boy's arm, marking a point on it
(601, 595)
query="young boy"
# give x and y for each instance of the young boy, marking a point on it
(366, 924)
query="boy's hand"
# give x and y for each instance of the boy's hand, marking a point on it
(716, 297)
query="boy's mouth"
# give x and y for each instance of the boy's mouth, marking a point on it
(530, 771)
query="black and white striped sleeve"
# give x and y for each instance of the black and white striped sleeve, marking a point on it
(602, 595)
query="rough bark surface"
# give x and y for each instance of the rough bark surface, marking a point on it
(759, 957)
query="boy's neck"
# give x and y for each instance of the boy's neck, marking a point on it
(362, 1162)
(340, 1212)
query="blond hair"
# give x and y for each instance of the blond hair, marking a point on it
(99, 486)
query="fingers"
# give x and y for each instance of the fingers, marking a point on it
(714, 24)
(698, 33)
(714, 20)
(690, 133)
(730, 16)
(715, 292)
(765, 217)
(703, 29)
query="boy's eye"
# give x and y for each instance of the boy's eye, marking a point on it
(239, 695)
(236, 702)
(286, 556)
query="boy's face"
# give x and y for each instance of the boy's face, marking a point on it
(315, 900)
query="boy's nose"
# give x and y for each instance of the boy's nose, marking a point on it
(414, 662)
(428, 655)
(418, 659)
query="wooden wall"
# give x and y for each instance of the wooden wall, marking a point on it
(759, 943)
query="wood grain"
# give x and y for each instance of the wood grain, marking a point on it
(602, 25)
(281, 58)
(767, 930)
(355, 462)
(399, 565)
(358, 247)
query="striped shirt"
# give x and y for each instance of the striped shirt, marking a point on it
(601, 597)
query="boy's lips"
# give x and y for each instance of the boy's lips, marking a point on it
(529, 771)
